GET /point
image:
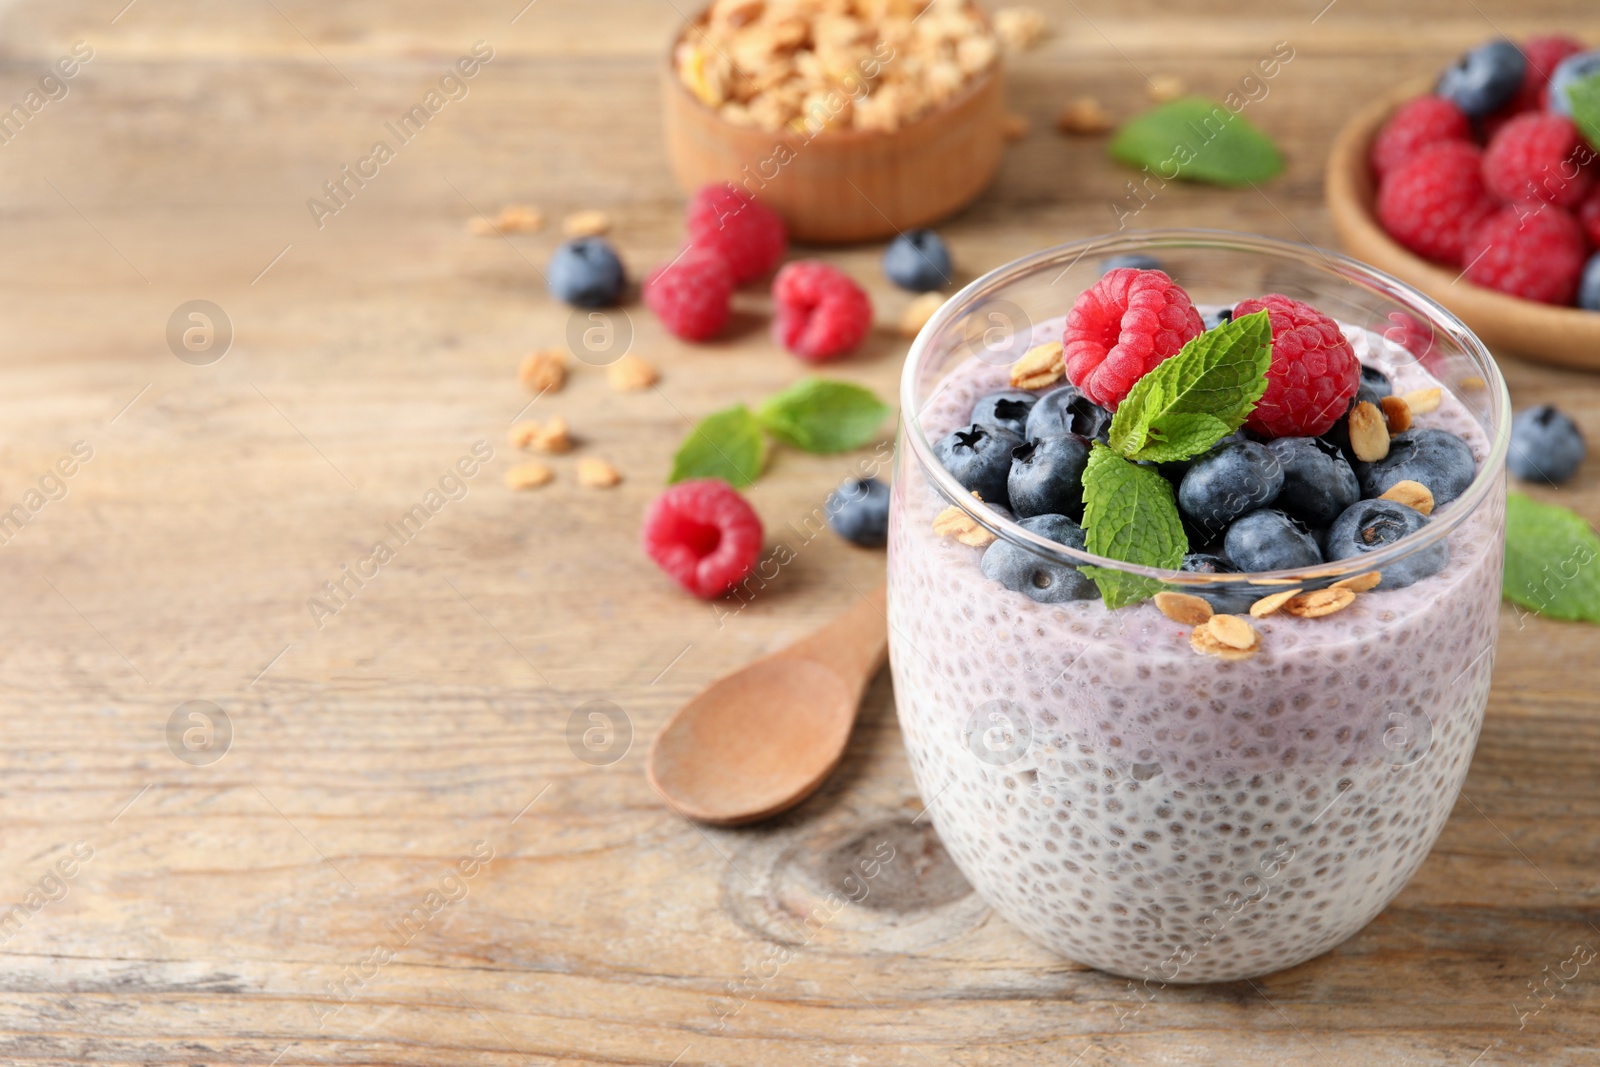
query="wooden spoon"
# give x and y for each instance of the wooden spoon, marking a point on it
(761, 740)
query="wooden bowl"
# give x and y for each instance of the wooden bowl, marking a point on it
(1541, 332)
(846, 185)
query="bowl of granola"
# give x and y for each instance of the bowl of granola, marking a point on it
(853, 119)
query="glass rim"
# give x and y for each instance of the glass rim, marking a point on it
(1062, 257)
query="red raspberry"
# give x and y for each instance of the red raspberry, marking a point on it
(1589, 218)
(1532, 251)
(1544, 54)
(729, 221)
(692, 294)
(1314, 370)
(704, 534)
(821, 312)
(1539, 156)
(1121, 327)
(1431, 202)
(1416, 124)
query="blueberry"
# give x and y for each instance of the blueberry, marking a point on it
(1437, 458)
(1589, 287)
(979, 457)
(1228, 481)
(1375, 385)
(1318, 483)
(1022, 571)
(1484, 78)
(1270, 540)
(1047, 476)
(1369, 525)
(1568, 73)
(1546, 446)
(1224, 599)
(1213, 319)
(1008, 410)
(917, 260)
(586, 273)
(858, 511)
(1065, 410)
(1132, 261)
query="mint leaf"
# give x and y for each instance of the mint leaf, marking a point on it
(1585, 97)
(726, 444)
(1198, 140)
(1129, 514)
(820, 415)
(1550, 560)
(1194, 399)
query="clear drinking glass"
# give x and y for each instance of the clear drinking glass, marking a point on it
(1121, 799)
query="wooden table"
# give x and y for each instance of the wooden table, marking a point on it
(293, 901)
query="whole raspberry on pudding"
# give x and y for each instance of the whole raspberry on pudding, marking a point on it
(1121, 327)
(821, 312)
(1314, 371)
(704, 534)
(1539, 156)
(1416, 124)
(730, 222)
(1431, 202)
(1532, 251)
(692, 295)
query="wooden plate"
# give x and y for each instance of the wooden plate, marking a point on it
(1541, 332)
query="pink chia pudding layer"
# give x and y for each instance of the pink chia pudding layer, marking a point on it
(1161, 814)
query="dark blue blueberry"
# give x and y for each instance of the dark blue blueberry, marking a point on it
(1065, 410)
(1008, 410)
(1569, 72)
(1047, 476)
(1270, 540)
(1546, 446)
(1022, 571)
(1131, 261)
(1369, 525)
(1484, 78)
(1224, 599)
(1375, 385)
(979, 457)
(1318, 483)
(1437, 458)
(1226, 482)
(1213, 319)
(858, 511)
(586, 273)
(1589, 287)
(917, 260)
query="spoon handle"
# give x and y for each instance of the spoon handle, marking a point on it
(855, 644)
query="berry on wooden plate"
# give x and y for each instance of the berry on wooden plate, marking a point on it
(1539, 157)
(1432, 201)
(1415, 125)
(1537, 254)
(704, 534)
(1484, 79)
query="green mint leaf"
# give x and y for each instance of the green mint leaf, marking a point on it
(1194, 399)
(820, 415)
(1198, 140)
(726, 444)
(1585, 97)
(1550, 560)
(1129, 514)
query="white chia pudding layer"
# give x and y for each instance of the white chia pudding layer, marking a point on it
(1161, 814)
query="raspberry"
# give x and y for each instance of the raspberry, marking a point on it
(728, 221)
(1416, 124)
(1121, 327)
(1544, 54)
(1314, 370)
(1539, 156)
(704, 534)
(1431, 202)
(1589, 218)
(821, 312)
(1535, 252)
(692, 294)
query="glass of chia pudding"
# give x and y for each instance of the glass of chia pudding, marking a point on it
(1240, 765)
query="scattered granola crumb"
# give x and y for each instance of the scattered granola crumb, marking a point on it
(543, 371)
(1019, 28)
(631, 374)
(1039, 366)
(1083, 117)
(586, 224)
(1015, 127)
(550, 437)
(1208, 639)
(596, 473)
(1413, 495)
(1269, 604)
(1165, 87)
(1422, 401)
(515, 218)
(1183, 607)
(1320, 602)
(953, 522)
(1359, 583)
(1396, 414)
(1369, 436)
(1233, 631)
(528, 475)
(919, 311)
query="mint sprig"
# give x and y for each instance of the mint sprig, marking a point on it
(1129, 514)
(1585, 98)
(726, 444)
(1552, 560)
(1200, 140)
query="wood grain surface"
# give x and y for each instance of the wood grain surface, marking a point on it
(401, 857)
